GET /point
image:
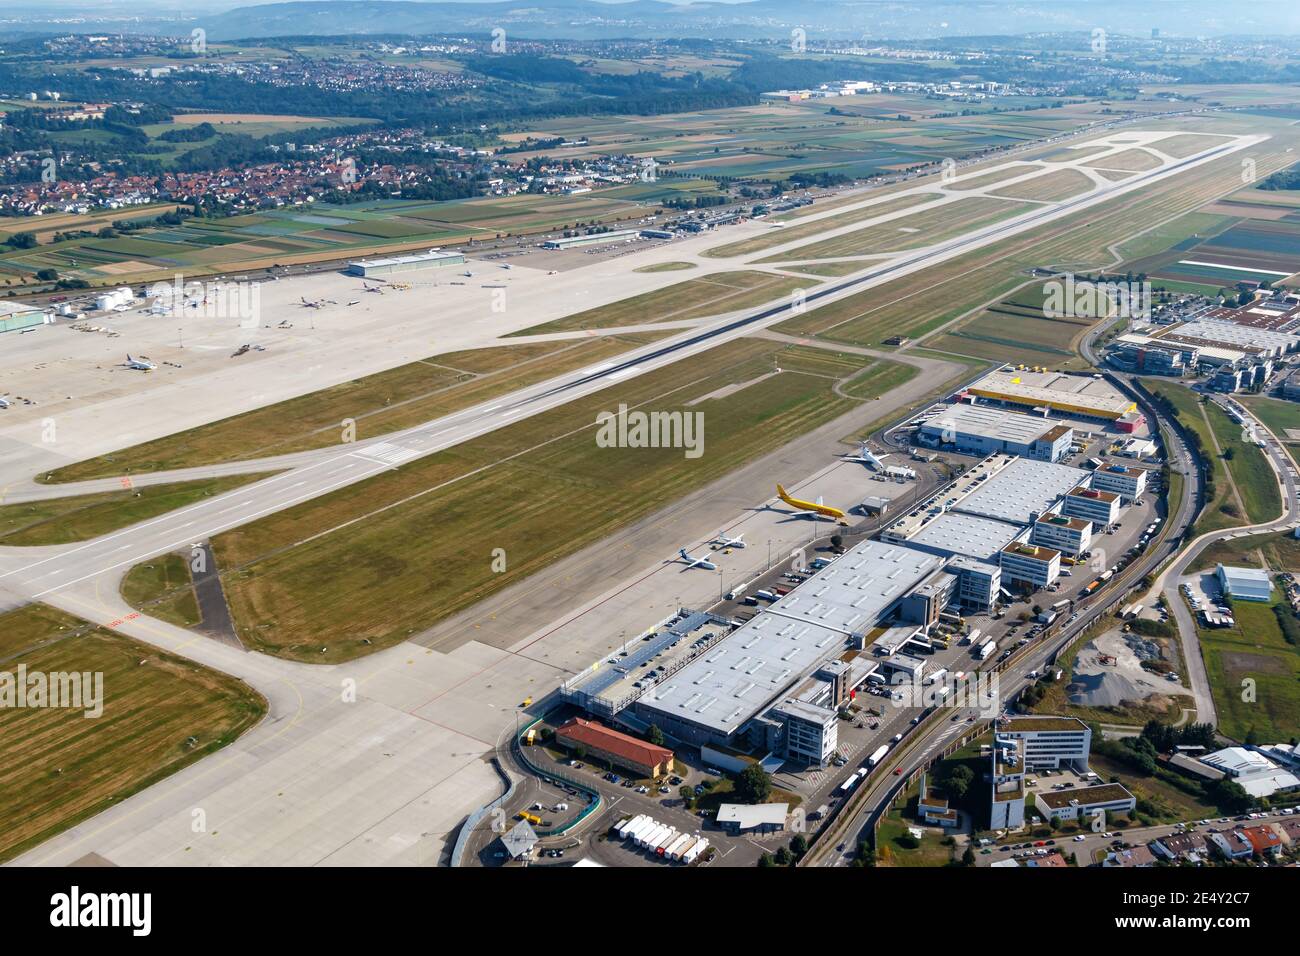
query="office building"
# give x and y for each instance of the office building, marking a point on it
(1084, 803)
(1099, 507)
(1007, 804)
(1127, 481)
(1072, 536)
(1030, 564)
(1050, 743)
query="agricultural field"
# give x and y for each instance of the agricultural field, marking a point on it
(1253, 650)
(692, 299)
(81, 517)
(864, 136)
(161, 713)
(324, 231)
(386, 401)
(407, 565)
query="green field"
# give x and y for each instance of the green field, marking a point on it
(807, 230)
(160, 713)
(387, 401)
(922, 228)
(1258, 488)
(692, 299)
(1276, 413)
(79, 517)
(162, 588)
(424, 548)
(1254, 675)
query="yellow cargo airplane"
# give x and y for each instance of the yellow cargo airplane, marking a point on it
(815, 507)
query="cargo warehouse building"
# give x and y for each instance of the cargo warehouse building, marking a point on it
(397, 265)
(977, 430)
(777, 683)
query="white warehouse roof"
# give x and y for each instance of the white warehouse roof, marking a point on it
(1023, 488)
(748, 816)
(970, 535)
(759, 661)
(991, 423)
(1251, 584)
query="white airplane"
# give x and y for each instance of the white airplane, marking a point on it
(4, 401)
(140, 364)
(867, 457)
(693, 562)
(722, 541)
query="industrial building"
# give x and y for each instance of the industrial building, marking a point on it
(1244, 584)
(1021, 491)
(1075, 395)
(780, 678)
(1254, 772)
(593, 239)
(1260, 342)
(396, 265)
(16, 316)
(979, 430)
(1141, 354)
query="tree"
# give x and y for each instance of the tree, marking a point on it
(22, 240)
(766, 861)
(655, 735)
(753, 784)
(47, 275)
(837, 541)
(783, 857)
(957, 783)
(799, 846)
(968, 858)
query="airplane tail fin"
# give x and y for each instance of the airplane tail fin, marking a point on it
(684, 555)
(780, 491)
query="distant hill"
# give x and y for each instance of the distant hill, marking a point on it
(824, 21)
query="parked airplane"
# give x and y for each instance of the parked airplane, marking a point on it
(4, 401)
(311, 305)
(722, 541)
(816, 508)
(693, 562)
(140, 364)
(867, 457)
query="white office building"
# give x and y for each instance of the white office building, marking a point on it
(1031, 564)
(1073, 536)
(1126, 481)
(1099, 507)
(1050, 742)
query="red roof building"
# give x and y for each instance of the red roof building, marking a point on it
(645, 758)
